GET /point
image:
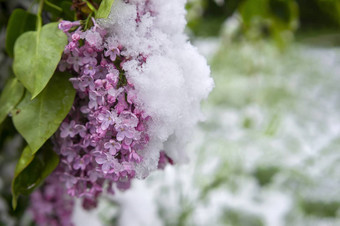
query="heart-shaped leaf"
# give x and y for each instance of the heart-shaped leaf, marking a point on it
(10, 97)
(36, 56)
(36, 120)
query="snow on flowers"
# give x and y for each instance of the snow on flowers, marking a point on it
(139, 84)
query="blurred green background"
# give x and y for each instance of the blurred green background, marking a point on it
(268, 152)
(270, 145)
(279, 20)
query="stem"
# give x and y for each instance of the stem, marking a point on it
(87, 21)
(53, 6)
(39, 19)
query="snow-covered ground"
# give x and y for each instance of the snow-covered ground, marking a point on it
(267, 154)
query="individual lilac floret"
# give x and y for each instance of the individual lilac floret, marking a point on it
(81, 162)
(113, 146)
(65, 26)
(107, 161)
(75, 59)
(106, 119)
(67, 129)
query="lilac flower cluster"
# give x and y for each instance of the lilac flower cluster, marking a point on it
(102, 136)
(101, 139)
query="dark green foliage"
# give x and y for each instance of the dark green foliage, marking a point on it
(68, 13)
(320, 208)
(319, 14)
(32, 169)
(210, 22)
(60, 9)
(271, 18)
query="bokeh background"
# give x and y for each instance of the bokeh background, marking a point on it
(268, 152)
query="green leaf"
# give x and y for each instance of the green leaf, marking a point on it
(31, 170)
(104, 9)
(36, 56)
(10, 97)
(38, 119)
(19, 22)
(25, 159)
